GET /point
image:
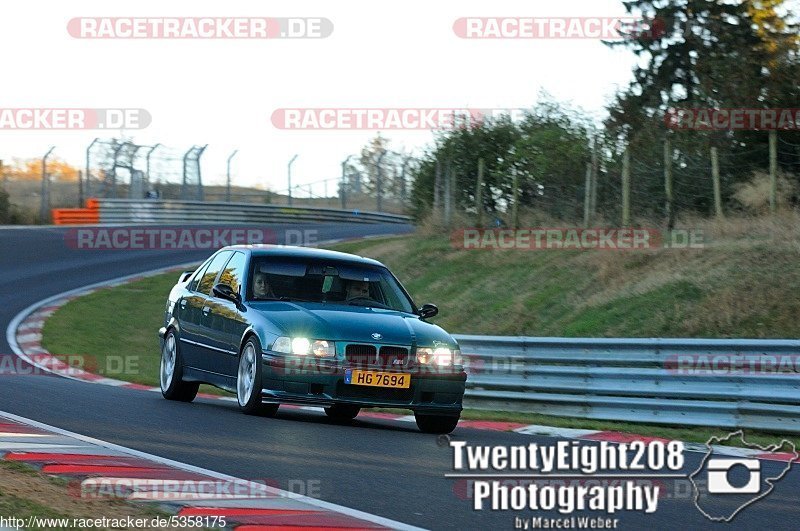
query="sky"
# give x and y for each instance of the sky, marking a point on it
(222, 92)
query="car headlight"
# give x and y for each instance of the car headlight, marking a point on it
(441, 356)
(301, 346)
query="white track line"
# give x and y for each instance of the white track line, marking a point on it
(392, 524)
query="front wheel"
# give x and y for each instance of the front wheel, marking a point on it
(435, 423)
(342, 412)
(171, 372)
(248, 382)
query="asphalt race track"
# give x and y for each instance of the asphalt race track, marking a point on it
(382, 467)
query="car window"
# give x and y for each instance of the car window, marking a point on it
(334, 282)
(233, 273)
(210, 275)
(197, 276)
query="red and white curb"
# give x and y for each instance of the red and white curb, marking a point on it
(178, 488)
(24, 334)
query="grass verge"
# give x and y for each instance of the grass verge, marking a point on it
(25, 492)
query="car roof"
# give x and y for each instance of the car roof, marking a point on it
(290, 251)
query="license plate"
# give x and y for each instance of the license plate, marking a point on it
(397, 380)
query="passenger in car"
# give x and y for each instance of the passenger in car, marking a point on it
(358, 289)
(261, 287)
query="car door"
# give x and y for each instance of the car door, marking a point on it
(198, 307)
(225, 321)
(187, 312)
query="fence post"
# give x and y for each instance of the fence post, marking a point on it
(403, 180)
(448, 177)
(715, 179)
(587, 196)
(668, 207)
(437, 181)
(88, 168)
(289, 177)
(343, 186)
(773, 171)
(515, 198)
(595, 171)
(626, 188)
(80, 188)
(479, 194)
(45, 200)
(228, 175)
(379, 182)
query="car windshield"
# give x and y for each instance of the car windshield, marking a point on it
(330, 282)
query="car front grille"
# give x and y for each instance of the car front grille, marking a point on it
(389, 357)
(360, 354)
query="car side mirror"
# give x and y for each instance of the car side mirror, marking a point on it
(224, 291)
(428, 310)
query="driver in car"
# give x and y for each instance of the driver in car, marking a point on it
(261, 287)
(358, 289)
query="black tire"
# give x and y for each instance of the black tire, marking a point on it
(342, 412)
(172, 385)
(250, 402)
(436, 423)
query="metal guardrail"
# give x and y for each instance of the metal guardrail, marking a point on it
(687, 382)
(161, 211)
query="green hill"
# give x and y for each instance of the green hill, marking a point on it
(745, 282)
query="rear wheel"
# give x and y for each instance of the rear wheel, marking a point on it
(171, 372)
(248, 381)
(342, 412)
(435, 423)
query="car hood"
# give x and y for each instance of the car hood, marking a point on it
(354, 324)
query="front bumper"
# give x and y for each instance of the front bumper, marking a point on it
(322, 384)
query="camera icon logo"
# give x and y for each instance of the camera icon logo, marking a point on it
(719, 482)
(724, 486)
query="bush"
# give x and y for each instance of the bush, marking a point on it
(5, 207)
(753, 195)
